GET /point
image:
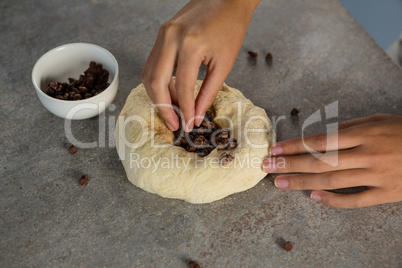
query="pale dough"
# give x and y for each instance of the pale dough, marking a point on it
(172, 172)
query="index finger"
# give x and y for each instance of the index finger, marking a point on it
(156, 78)
(186, 77)
(343, 139)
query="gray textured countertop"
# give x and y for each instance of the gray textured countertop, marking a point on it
(321, 55)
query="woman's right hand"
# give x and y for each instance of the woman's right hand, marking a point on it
(204, 31)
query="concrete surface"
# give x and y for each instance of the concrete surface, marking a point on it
(321, 55)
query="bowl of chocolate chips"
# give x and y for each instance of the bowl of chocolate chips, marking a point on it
(76, 81)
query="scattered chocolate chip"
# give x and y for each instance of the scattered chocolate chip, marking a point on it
(294, 111)
(268, 56)
(193, 264)
(93, 82)
(84, 180)
(253, 54)
(73, 149)
(288, 246)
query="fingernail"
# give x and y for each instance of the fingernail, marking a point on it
(170, 126)
(199, 120)
(281, 182)
(315, 196)
(188, 127)
(269, 165)
(276, 150)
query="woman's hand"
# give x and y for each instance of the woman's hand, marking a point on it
(368, 152)
(204, 31)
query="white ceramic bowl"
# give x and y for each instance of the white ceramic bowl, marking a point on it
(71, 60)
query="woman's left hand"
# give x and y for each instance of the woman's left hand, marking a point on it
(367, 152)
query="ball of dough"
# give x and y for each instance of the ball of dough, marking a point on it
(153, 163)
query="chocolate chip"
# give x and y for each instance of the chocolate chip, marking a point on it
(53, 85)
(177, 142)
(193, 264)
(81, 79)
(294, 111)
(224, 134)
(73, 149)
(75, 90)
(77, 97)
(58, 87)
(226, 158)
(191, 148)
(288, 246)
(268, 56)
(94, 81)
(204, 139)
(253, 54)
(83, 90)
(200, 140)
(209, 115)
(221, 146)
(232, 143)
(205, 124)
(84, 180)
(50, 91)
(183, 141)
(89, 81)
